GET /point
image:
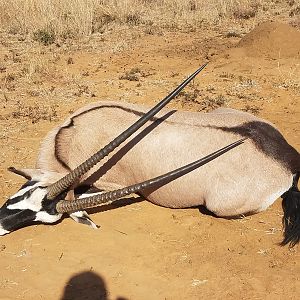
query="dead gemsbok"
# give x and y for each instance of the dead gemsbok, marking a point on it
(260, 166)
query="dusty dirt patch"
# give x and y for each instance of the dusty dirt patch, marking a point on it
(143, 251)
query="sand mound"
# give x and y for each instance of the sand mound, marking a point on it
(273, 40)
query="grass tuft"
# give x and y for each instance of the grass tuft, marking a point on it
(44, 36)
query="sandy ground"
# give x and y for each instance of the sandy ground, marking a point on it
(143, 251)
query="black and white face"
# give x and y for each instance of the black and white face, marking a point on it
(27, 206)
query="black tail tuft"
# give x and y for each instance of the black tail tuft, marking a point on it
(291, 214)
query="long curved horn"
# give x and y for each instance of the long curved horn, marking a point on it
(61, 185)
(106, 198)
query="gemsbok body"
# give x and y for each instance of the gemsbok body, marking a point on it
(247, 164)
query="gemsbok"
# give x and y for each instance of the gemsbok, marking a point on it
(246, 164)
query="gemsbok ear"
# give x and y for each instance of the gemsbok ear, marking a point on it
(83, 218)
(26, 173)
(40, 175)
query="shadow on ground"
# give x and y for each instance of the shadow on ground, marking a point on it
(86, 286)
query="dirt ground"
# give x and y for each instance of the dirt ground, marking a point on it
(143, 251)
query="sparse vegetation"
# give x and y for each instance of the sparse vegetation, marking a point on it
(188, 97)
(233, 33)
(295, 11)
(134, 74)
(49, 20)
(253, 109)
(35, 112)
(201, 100)
(211, 103)
(289, 84)
(246, 10)
(44, 36)
(84, 90)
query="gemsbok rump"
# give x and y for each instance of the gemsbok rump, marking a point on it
(246, 164)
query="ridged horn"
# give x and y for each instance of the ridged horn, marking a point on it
(64, 183)
(107, 198)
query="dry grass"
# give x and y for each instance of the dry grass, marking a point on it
(35, 112)
(47, 21)
(135, 74)
(56, 17)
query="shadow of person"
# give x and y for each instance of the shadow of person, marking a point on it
(86, 286)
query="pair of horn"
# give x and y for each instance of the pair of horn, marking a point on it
(64, 183)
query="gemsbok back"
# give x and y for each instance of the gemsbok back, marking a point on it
(246, 164)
